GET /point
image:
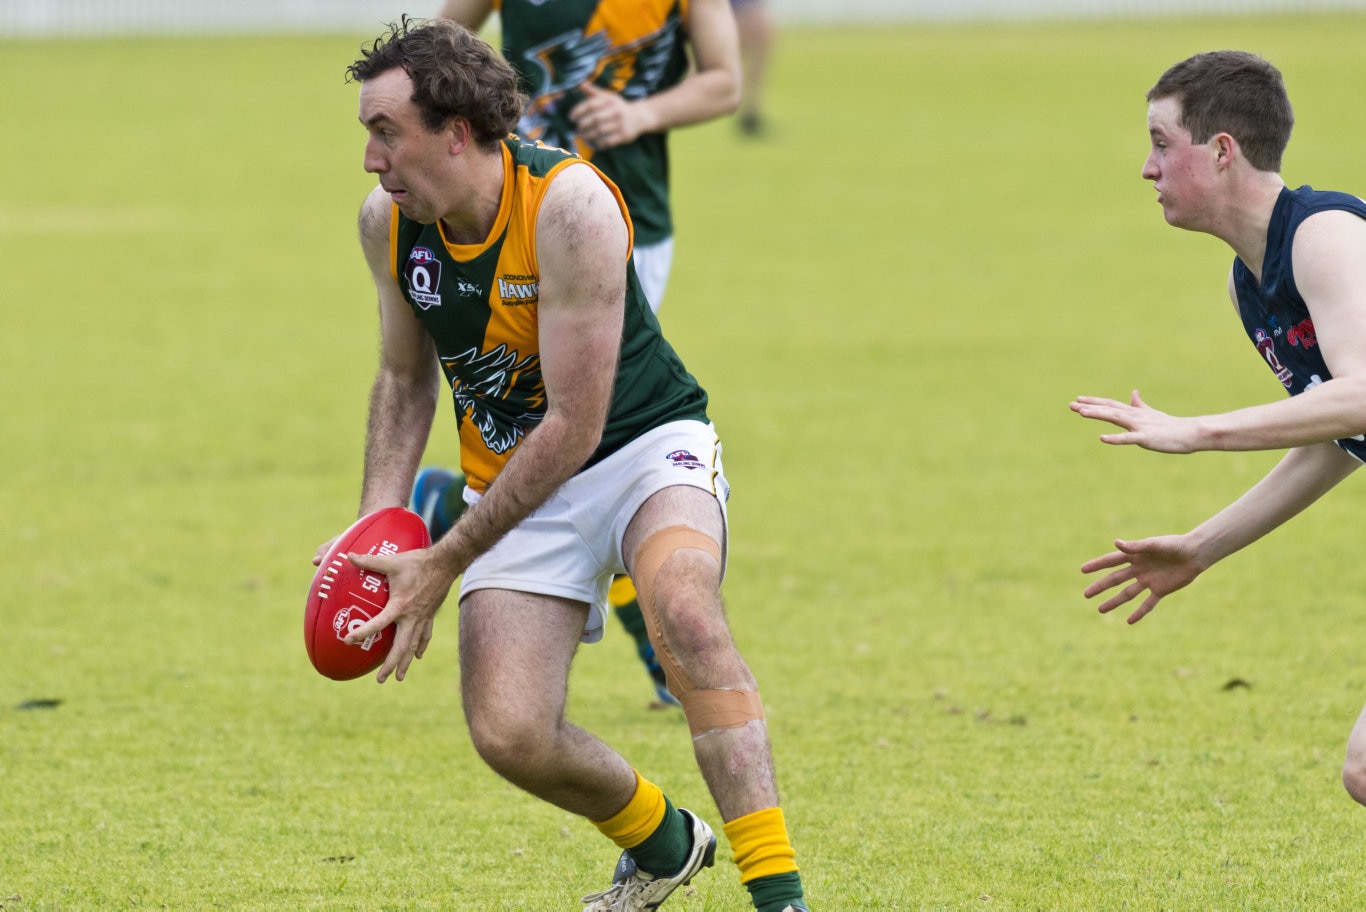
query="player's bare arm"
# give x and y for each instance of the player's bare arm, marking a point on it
(1164, 564)
(712, 89)
(407, 385)
(1331, 275)
(402, 404)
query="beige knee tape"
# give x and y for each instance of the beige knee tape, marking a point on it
(705, 709)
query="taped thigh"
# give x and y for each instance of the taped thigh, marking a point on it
(706, 709)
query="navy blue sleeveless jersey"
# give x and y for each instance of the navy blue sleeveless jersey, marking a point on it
(1274, 315)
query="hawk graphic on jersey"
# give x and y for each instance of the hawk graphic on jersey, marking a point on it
(555, 68)
(500, 392)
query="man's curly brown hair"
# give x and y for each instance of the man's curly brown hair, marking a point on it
(454, 73)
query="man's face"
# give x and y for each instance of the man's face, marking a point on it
(411, 161)
(1182, 172)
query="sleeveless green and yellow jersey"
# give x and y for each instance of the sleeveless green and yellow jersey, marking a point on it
(479, 303)
(635, 48)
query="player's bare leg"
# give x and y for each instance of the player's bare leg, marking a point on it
(515, 653)
(675, 543)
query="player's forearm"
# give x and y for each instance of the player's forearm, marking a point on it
(700, 97)
(401, 411)
(1330, 411)
(1302, 477)
(548, 457)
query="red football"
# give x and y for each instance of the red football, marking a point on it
(343, 596)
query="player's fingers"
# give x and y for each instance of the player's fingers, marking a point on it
(394, 660)
(425, 639)
(591, 107)
(1105, 561)
(1111, 604)
(378, 563)
(1087, 402)
(1122, 597)
(362, 632)
(1104, 409)
(322, 551)
(411, 648)
(1148, 605)
(1109, 581)
(387, 668)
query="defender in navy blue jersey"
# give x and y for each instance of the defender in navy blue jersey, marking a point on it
(1219, 123)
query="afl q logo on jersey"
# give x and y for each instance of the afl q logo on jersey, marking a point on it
(423, 275)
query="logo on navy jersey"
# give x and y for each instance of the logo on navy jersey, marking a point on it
(1267, 347)
(1302, 334)
(423, 275)
(685, 460)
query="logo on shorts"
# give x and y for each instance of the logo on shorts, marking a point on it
(685, 460)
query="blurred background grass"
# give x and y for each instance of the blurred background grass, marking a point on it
(891, 299)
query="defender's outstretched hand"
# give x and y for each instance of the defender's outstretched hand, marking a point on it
(1159, 565)
(1144, 426)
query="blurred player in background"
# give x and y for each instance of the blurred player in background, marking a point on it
(608, 79)
(506, 266)
(1219, 123)
(754, 22)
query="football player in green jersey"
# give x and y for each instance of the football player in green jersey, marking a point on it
(608, 79)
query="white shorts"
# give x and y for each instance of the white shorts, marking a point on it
(653, 264)
(571, 546)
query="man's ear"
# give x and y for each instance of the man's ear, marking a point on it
(461, 134)
(1225, 149)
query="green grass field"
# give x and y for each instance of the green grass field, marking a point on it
(891, 301)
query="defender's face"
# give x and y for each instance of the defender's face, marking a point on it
(1182, 172)
(409, 159)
